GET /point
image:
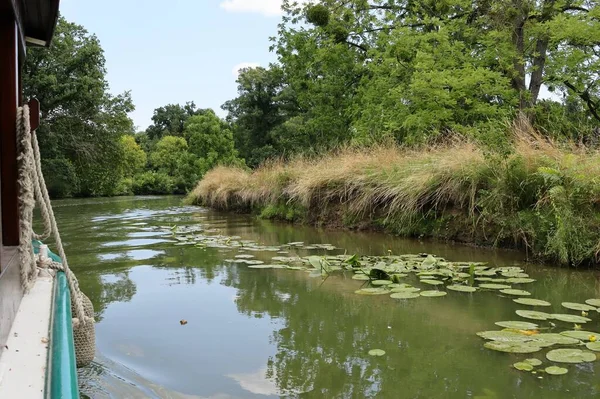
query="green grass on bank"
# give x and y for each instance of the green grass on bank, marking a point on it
(539, 196)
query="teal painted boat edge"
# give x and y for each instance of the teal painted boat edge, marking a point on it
(62, 371)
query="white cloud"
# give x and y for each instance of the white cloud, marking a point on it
(266, 7)
(236, 69)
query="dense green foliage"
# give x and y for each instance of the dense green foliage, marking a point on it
(367, 71)
(87, 140)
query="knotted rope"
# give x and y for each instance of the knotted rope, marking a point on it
(32, 189)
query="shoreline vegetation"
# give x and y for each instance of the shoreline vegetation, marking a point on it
(539, 195)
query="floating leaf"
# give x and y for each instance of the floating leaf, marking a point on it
(555, 370)
(405, 289)
(532, 314)
(533, 361)
(372, 291)
(504, 336)
(523, 366)
(259, 266)
(512, 347)
(581, 335)
(404, 295)
(519, 325)
(360, 276)
(244, 256)
(569, 355)
(462, 288)
(381, 282)
(520, 280)
(531, 302)
(432, 282)
(569, 318)
(554, 338)
(511, 291)
(577, 306)
(494, 286)
(433, 293)
(593, 346)
(376, 352)
(593, 302)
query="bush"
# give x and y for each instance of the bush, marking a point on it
(152, 183)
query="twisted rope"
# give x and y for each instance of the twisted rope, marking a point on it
(32, 188)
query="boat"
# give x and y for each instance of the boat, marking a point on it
(42, 314)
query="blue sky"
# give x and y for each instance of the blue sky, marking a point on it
(175, 51)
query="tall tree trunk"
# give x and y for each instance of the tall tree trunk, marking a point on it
(539, 61)
(518, 79)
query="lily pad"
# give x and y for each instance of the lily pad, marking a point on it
(569, 355)
(405, 289)
(511, 291)
(494, 286)
(593, 346)
(531, 302)
(259, 266)
(534, 315)
(512, 347)
(593, 302)
(433, 293)
(554, 338)
(360, 276)
(244, 256)
(520, 280)
(381, 282)
(569, 318)
(555, 370)
(504, 336)
(462, 288)
(519, 325)
(404, 295)
(523, 366)
(581, 335)
(376, 352)
(533, 361)
(577, 306)
(432, 282)
(372, 291)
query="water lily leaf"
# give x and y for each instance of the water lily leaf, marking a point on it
(484, 279)
(593, 346)
(554, 338)
(504, 336)
(244, 256)
(512, 347)
(569, 355)
(254, 262)
(581, 335)
(519, 325)
(593, 302)
(523, 366)
(428, 263)
(260, 266)
(569, 318)
(531, 302)
(404, 295)
(520, 280)
(577, 306)
(494, 286)
(433, 293)
(462, 288)
(487, 273)
(405, 289)
(533, 361)
(432, 282)
(376, 352)
(534, 315)
(371, 291)
(511, 291)
(555, 370)
(360, 276)
(381, 282)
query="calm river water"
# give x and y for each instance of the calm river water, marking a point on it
(253, 333)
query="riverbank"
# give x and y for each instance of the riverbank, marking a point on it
(539, 196)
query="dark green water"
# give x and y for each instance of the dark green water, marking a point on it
(255, 333)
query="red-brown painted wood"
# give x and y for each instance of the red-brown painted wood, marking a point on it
(34, 113)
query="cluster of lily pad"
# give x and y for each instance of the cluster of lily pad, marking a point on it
(387, 275)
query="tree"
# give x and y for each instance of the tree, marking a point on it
(170, 120)
(81, 121)
(210, 140)
(134, 158)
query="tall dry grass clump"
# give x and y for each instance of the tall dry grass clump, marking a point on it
(541, 195)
